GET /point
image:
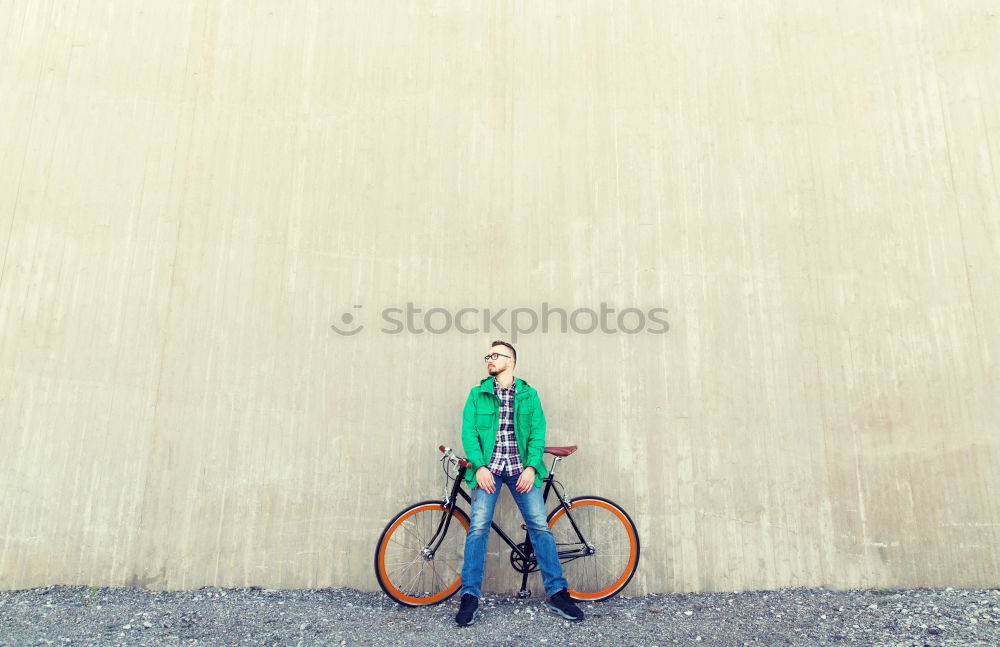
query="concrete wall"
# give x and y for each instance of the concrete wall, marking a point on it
(192, 193)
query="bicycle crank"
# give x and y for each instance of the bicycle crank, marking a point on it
(520, 563)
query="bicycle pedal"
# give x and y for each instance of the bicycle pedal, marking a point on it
(524, 593)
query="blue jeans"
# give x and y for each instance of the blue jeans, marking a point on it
(533, 510)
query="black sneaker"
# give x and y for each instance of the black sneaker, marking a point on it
(467, 611)
(561, 603)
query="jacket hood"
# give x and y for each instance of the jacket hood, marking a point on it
(486, 384)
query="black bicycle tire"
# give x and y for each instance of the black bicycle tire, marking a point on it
(635, 533)
(387, 588)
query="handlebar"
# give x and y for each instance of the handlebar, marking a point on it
(452, 458)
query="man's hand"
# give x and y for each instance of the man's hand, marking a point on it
(484, 478)
(526, 481)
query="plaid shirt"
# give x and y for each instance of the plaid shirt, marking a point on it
(506, 459)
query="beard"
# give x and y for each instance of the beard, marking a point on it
(493, 371)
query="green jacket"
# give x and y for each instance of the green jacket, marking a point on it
(481, 417)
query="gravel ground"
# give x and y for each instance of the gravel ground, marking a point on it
(73, 615)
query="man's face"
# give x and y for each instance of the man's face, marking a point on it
(501, 363)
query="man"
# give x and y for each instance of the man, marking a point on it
(503, 434)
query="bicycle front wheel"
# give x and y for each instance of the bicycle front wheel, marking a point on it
(410, 568)
(601, 553)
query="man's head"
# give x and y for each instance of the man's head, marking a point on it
(501, 358)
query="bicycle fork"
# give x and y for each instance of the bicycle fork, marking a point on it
(442, 530)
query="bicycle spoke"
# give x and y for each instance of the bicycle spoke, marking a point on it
(406, 534)
(399, 542)
(405, 569)
(411, 532)
(403, 572)
(411, 585)
(436, 575)
(400, 563)
(601, 527)
(604, 564)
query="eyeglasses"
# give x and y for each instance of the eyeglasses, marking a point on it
(494, 356)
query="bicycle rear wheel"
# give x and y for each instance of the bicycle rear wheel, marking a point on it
(406, 569)
(602, 562)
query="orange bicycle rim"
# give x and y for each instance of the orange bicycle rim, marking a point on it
(411, 599)
(633, 549)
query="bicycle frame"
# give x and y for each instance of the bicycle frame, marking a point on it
(524, 555)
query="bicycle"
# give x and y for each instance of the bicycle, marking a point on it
(418, 558)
